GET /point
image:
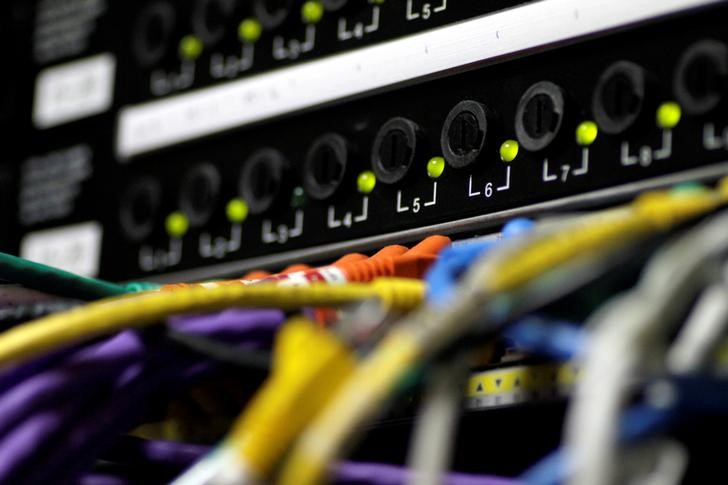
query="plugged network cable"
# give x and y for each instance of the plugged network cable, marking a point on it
(62, 283)
(137, 311)
(174, 457)
(211, 465)
(65, 409)
(198, 339)
(636, 327)
(424, 332)
(325, 381)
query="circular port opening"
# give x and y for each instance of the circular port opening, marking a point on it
(199, 193)
(210, 19)
(261, 179)
(619, 97)
(701, 76)
(394, 149)
(325, 166)
(152, 33)
(463, 134)
(272, 13)
(540, 115)
(140, 208)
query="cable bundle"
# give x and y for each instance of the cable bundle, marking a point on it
(76, 382)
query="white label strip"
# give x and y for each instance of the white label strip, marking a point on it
(74, 90)
(158, 124)
(75, 248)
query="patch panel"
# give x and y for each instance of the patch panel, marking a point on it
(369, 160)
(609, 124)
(445, 121)
(232, 39)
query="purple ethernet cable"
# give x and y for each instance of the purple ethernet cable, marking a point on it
(352, 473)
(257, 325)
(91, 436)
(29, 439)
(251, 328)
(82, 439)
(103, 479)
(98, 362)
(80, 372)
(139, 453)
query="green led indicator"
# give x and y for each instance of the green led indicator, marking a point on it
(236, 211)
(190, 47)
(586, 133)
(435, 167)
(298, 198)
(377, 2)
(250, 30)
(312, 11)
(509, 150)
(177, 224)
(668, 115)
(366, 182)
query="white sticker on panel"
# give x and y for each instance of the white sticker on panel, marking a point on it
(74, 91)
(75, 248)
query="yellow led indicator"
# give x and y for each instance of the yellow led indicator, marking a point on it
(366, 182)
(237, 211)
(190, 47)
(435, 167)
(250, 30)
(509, 150)
(312, 11)
(668, 115)
(177, 224)
(586, 133)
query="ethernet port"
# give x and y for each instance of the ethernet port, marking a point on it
(211, 19)
(619, 97)
(394, 149)
(272, 13)
(325, 166)
(540, 115)
(464, 133)
(139, 208)
(152, 33)
(701, 76)
(261, 179)
(199, 193)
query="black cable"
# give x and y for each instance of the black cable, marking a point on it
(220, 352)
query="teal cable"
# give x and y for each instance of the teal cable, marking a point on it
(59, 282)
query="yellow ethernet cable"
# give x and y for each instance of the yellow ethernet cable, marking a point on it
(310, 364)
(24, 342)
(649, 213)
(379, 374)
(424, 332)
